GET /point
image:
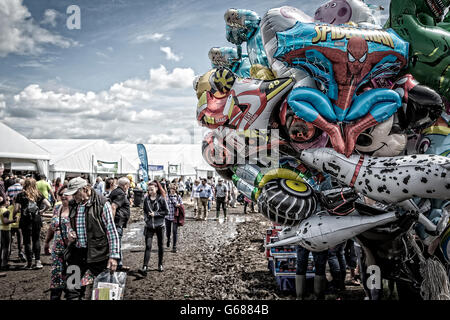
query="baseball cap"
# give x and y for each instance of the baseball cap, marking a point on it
(74, 185)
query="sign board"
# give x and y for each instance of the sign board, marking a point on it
(152, 167)
(173, 169)
(107, 167)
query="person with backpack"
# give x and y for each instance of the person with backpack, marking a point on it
(31, 204)
(174, 201)
(155, 210)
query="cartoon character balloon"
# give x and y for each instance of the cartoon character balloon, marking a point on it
(340, 102)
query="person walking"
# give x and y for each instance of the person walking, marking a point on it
(15, 231)
(195, 196)
(109, 187)
(14, 190)
(121, 212)
(29, 202)
(44, 187)
(6, 219)
(143, 185)
(181, 187)
(222, 195)
(97, 244)
(320, 261)
(205, 193)
(338, 266)
(62, 234)
(174, 201)
(57, 185)
(2, 184)
(99, 186)
(155, 210)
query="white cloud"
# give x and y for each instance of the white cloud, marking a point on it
(150, 37)
(20, 34)
(30, 64)
(133, 110)
(101, 54)
(50, 17)
(169, 54)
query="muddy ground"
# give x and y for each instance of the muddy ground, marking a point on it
(215, 260)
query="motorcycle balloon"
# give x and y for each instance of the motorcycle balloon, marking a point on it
(287, 202)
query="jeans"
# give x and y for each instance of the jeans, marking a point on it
(350, 254)
(31, 232)
(320, 261)
(336, 258)
(172, 226)
(18, 233)
(252, 206)
(79, 258)
(220, 201)
(149, 233)
(120, 233)
(5, 236)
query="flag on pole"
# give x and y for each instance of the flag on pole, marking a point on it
(142, 152)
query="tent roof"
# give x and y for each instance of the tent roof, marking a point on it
(75, 155)
(16, 146)
(189, 156)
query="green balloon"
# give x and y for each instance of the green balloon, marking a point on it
(420, 24)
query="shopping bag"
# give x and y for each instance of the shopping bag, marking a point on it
(109, 286)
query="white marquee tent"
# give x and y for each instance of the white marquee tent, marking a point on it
(19, 153)
(186, 157)
(84, 156)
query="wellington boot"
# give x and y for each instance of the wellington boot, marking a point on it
(319, 287)
(300, 286)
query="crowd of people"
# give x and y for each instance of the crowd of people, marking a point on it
(87, 221)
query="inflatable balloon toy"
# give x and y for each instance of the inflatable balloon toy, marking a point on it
(347, 111)
(243, 26)
(345, 11)
(240, 103)
(228, 57)
(342, 60)
(419, 23)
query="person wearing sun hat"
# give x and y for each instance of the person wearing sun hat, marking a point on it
(97, 245)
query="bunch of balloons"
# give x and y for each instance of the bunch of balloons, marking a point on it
(336, 126)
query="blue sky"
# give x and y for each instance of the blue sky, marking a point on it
(125, 76)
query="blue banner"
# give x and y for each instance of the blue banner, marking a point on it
(142, 153)
(155, 168)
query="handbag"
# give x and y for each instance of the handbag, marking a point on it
(67, 253)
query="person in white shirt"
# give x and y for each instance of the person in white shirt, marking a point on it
(195, 195)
